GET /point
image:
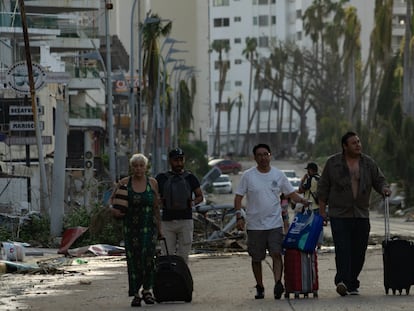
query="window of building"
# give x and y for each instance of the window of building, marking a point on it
(227, 86)
(263, 42)
(265, 105)
(237, 61)
(221, 106)
(299, 14)
(254, 20)
(237, 40)
(238, 83)
(221, 2)
(225, 62)
(223, 42)
(273, 19)
(299, 35)
(237, 19)
(264, 2)
(222, 22)
(263, 20)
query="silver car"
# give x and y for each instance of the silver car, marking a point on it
(223, 184)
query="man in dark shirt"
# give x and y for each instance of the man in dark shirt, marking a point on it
(177, 223)
(345, 185)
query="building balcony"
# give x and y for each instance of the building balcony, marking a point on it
(58, 7)
(96, 122)
(59, 31)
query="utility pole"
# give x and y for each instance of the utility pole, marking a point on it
(44, 193)
(59, 163)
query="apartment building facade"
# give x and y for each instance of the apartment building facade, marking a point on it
(65, 44)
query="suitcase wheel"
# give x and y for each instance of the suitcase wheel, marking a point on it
(315, 294)
(296, 295)
(305, 295)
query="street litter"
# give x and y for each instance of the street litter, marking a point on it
(69, 237)
(12, 251)
(97, 250)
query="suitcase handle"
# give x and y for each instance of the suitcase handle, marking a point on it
(164, 240)
(387, 218)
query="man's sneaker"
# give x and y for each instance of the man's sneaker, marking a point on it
(354, 292)
(259, 292)
(341, 289)
(279, 289)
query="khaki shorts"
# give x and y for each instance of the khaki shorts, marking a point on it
(258, 241)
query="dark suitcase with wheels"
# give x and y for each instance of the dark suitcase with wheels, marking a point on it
(301, 273)
(398, 258)
(173, 279)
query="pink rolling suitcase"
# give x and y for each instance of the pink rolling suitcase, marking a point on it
(301, 273)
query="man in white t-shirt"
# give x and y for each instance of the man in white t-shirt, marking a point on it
(262, 185)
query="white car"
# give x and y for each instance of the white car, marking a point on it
(223, 184)
(292, 177)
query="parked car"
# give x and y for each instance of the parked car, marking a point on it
(292, 177)
(226, 166)
(223, 184)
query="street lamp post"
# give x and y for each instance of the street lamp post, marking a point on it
(112, 168)
(132, 80)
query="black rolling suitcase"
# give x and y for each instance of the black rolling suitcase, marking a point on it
(398, 256)
(173, 280)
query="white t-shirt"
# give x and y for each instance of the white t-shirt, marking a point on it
(263, 192)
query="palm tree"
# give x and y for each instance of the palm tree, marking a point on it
(380, 54)
(408, 79)
(185, 113)
(230, 105)
(352, 51)
(239, 106)
(220, 46)
(251, 55)
(151, 68)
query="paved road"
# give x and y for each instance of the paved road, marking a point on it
(222, 281)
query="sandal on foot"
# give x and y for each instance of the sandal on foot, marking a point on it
(136, 302)
(259, 292)
(147, 297)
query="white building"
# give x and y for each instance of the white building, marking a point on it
(269, 21)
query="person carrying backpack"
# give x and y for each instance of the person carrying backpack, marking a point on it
(308, 186)
(180, 191)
